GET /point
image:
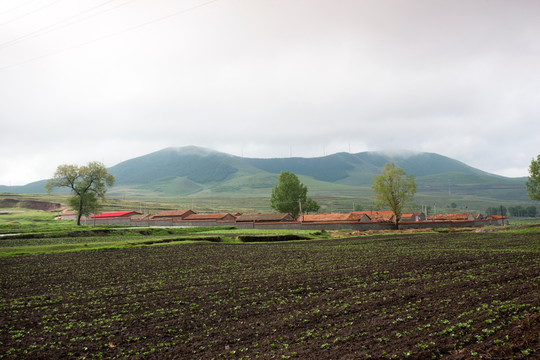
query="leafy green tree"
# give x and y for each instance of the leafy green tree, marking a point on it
(531, 211)
(517, 211)
(90, 204)
(358, 207)
(393, 188)
(520, 211)
(290, 196)
(310, 206)
(88, 185)
(533, 185)
(497, 210)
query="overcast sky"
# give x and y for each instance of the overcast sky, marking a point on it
(111, 80)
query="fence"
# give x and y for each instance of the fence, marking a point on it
(345, 225)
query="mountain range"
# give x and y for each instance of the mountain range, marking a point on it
(196, 171)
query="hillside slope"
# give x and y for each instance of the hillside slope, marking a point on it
(195, 171)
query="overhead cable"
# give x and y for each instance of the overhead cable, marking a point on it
(30, 13)
(58, 25)
(131, 28)
(15, 7)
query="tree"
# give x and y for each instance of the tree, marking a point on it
(88, 185)
(310, 206)
(393, 188)
(498, 210)
(533, 185)
(290, 196)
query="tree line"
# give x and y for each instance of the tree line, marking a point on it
(516, 211)
(393, 189)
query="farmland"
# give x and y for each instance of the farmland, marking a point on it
(417, 296)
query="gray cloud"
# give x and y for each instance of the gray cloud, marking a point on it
(269, 79)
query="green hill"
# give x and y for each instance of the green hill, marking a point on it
(196, 164)
(198, 172)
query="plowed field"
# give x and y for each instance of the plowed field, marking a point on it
(416, 296)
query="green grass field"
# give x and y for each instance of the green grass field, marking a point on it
(36, 232)
(33, 232)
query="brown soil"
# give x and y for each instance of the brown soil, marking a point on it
(348, 234)
(30, 204)
(415, 296)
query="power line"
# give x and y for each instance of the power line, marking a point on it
(15, 7)
(30, 13)
(135, 27)
(54, 26)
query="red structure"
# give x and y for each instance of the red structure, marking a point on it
(118, 214)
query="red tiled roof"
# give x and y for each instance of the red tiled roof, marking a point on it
(113, 214)
(376, 215)
(460, 216)
(411, 214)
(325, 217)
(264, 217)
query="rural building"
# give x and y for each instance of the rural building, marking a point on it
(328, 217)
(358, 216)
(358, 220)
(363, 217)
(254, 218)
(456, 217)
(141, 217)
(115, 215)
(68, 215)
(375, 216)
(416, 216)
(172, 215)
(219, 217)
(499, 219)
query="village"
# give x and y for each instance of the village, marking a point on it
(355, 220)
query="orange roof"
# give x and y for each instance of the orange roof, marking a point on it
(376, 215)
(326, 217)
(264, 217)
(411, 214)
(460, 216)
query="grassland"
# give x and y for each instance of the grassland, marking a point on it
(24, 231)
(32, 240)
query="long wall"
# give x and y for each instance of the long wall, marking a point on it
(298, 225)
